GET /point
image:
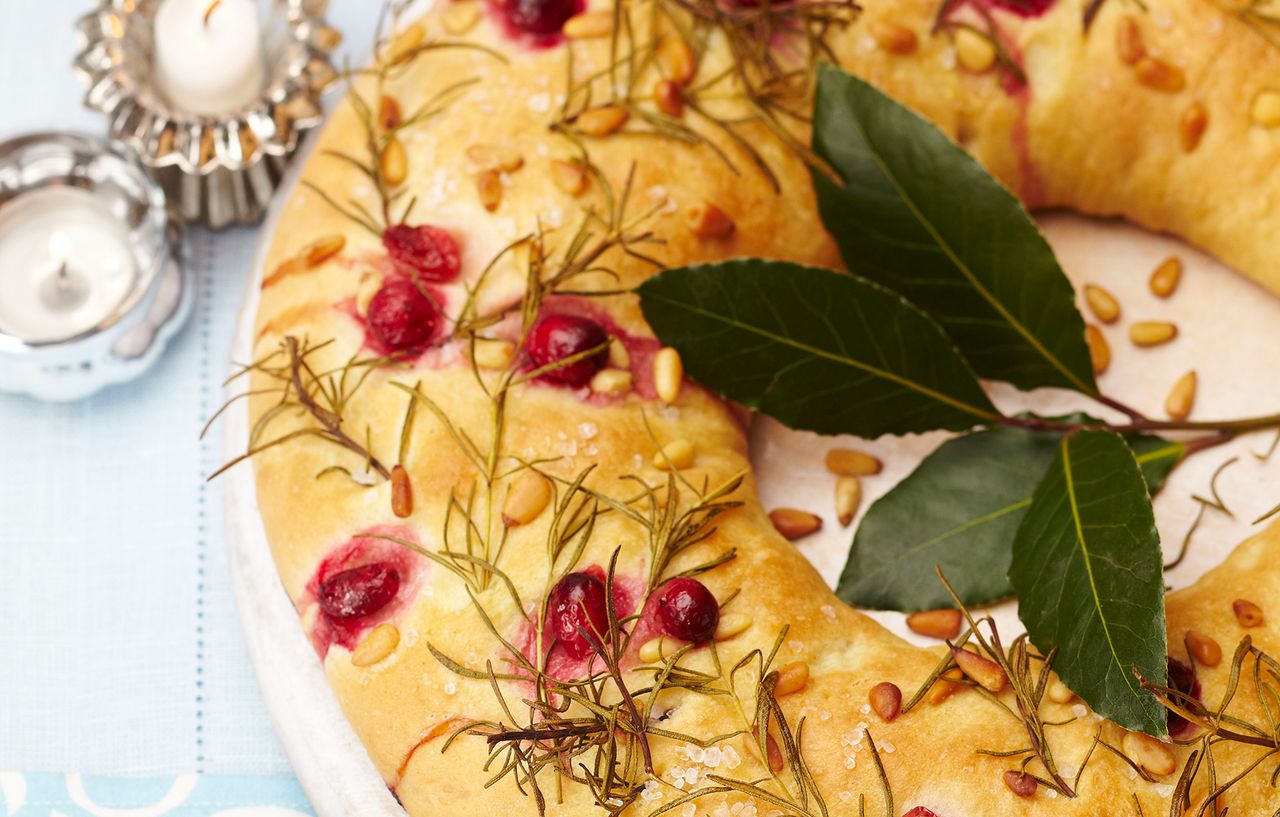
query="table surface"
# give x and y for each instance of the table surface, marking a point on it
(120, 650)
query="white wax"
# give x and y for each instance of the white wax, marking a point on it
(213, 68)
(41, 231)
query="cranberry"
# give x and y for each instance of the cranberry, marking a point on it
(425, 252)
(555, 337)
(1026, 8)
(688, 611)
(401, 317)
(540, 17)
(1183, 679)
(577, 603)
(359, 591)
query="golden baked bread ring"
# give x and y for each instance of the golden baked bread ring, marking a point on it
(494, 143)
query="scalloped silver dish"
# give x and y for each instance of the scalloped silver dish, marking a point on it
(215, 171)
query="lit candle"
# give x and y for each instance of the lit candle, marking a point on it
(208, 54)
(65, 264)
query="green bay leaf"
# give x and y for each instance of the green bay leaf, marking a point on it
(1088, 572)
(922, 217)
(816, 349)
(960, 510)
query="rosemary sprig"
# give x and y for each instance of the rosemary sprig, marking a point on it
(322, 395)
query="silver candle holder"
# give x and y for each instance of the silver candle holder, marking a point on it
(127, 334)
(217, 170)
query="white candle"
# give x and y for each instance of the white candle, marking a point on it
(65, 264)
(208, 54)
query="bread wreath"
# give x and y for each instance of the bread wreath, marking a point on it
(1152, 116)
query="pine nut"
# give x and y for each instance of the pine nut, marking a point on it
(494, 157)
(602, 121)
(1102, 303)
(1150, 754)
(668, 97)
(657, 650)
(941, 624)
(1099, 349)
(1192, 125)
(1165, 278)
(1181, 397)
(945, 686)
(570, 177)
(1247, 613)
(395, 163)
(676, 60)
(775, 759)
(1204, 649)
(975, 52)
(1060, 693)
(1159, 75)
(848, 498)
(288, 267)
(461, 17)
(668, 374)
(1266, 109)
(611, 381)
(619, 357)
(403, 46)
(732, 624)
(891, 37)
(793, 523)
(489, 189)
(528, 495)
(401, 492)
(389, 116)
(846, 462)
(886, 700)
(1129, 45)
(708, 221)
(1152, 333)
(380, 642)
(677, 454)
(987, 673)
(589, 25)
(791, 679)
(1020, 783)
(493, 354)
(321, 250)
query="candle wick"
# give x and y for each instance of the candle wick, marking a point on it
(209, 11)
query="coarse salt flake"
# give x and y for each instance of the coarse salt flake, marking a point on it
(731, 758)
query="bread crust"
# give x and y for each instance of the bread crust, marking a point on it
(1086, 135)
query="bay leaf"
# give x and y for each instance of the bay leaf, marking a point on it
(919, 215)
(814, 348)
(960, 509)
(1089, 575)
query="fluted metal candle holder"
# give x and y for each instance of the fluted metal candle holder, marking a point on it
(217, 171)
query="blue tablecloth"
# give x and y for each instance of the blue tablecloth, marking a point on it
(120, 651)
